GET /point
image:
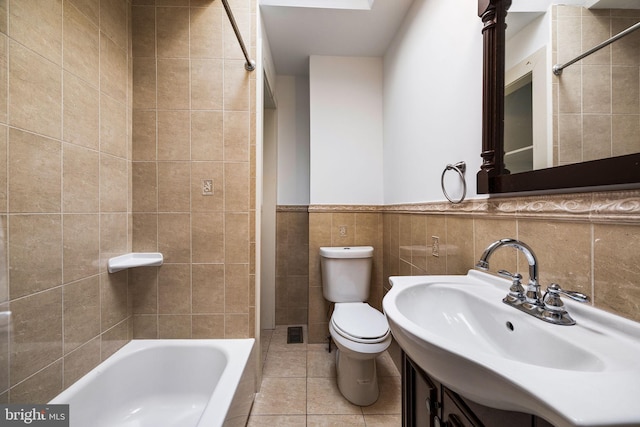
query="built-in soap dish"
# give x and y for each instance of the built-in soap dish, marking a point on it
(134, 259)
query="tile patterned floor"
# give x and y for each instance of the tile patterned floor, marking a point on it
(299, 388)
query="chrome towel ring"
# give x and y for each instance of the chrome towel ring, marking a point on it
(460, 168)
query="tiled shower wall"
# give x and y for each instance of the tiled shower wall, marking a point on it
(586, 242)
(292, 265)
(65, 157)
(597, 100)
(193, 121)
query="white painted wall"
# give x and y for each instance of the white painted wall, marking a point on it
(529, 40)
(432, 100)
(346, 106)
(292, 94)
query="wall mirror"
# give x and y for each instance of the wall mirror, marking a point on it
(560, 133)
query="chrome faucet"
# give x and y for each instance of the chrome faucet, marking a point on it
(532, 295)
(548, 308)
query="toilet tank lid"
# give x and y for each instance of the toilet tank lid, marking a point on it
(347, 252)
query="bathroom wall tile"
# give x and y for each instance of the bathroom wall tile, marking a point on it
(207, 135)
(595, 30)
(173, 84)
(80, 361)
(113, 21)
(626, 52)
(114, 339)
(208, 171)
(487, 231)
(567, 265)
(4, 24)
(145, 232)
(81, 251)
(113, 299)
(143, 25)
(113, 127)
(207, 326)
(625, 87)
(35, 256)
(596, 92)
(113, 236)
(37, 26)
(569, 37)
(172, 32)
(145, 186)
(236, 325)
(236, 86)
(437, 226)
(404, 238)
(81, 112)
(338, 221)
(206, 32)
(174, 326)
(4, 71)
(596, 142)
(460, 251)
(81, 43)
(143, 290)
(208, 288)
(41, 387)
(570, 91)
(570, 135)
(144, 135)
(236, 187)
(236, 136)
(145, 326)
(419, 242)
(236, 232)
(113, 69)
(90, 8)
(236, 288)
(4, 349)
(81, 312)
(173, 135)
(36, 340)
(174, 289)
(114, 184)
(626, 129)
(174, 179)
(208, 237)
(207, 84)
(144, 83)
(616, 289)
(174, 237)
(34, 173)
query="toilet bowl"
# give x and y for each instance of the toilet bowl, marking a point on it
(359, 331)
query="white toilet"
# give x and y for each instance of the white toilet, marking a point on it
(360, 331)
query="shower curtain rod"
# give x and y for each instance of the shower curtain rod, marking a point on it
(250, 65)
(557, 69)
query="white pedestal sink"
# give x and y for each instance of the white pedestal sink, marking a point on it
(459, 331)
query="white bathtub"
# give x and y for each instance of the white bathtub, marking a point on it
(167, 383)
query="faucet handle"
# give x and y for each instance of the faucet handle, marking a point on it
(516, 291)
(554, 290)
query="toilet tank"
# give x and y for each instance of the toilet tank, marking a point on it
(346, 273)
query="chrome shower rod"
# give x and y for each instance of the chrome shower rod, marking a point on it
(250, 65)
(557, 69)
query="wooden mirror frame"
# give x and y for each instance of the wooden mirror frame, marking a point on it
(493, 178)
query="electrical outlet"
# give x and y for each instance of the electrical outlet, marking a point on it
(207, 187)
(435, 246)
(342, 230)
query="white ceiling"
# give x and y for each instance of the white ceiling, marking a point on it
(295, 33)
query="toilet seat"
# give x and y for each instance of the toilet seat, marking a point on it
(359, 322)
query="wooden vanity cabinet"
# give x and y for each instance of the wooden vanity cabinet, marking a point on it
(427, 403)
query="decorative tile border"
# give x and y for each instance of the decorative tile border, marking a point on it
(292, 208)
(611, 206)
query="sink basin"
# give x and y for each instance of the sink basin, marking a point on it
(458, 330)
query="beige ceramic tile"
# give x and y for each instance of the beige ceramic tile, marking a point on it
(36, 340)
(145, 326)
(236, 227)
(488, 231)
(236, 325)
(207, 236)
(279, 396)
(143, 290)
(143, 25)
(389, 401)
(174, 180)
(323, 397)
(569, 138)
(4, 63)
(460, 251)
(207, 326)
(144, 135)
(113, 339)
(114, 236)
(81, 45)
(320, 363)
(113, 299)
(173, 326)
(626, 129)
(236, 136)
(335, 420)
(277, 420)
(81, 249)
(41, 387)
(145, 230)
(207, 84)
(625, 87)
(113, 69)
(236, 288)
(34, 173)
(81, 361)
(173, 135)
(236, 86)
(596, 93)
(242, 16)
(172, 32)
(285, 364)
(596, 142)
(174, 240)
(113, 127)
(144, 83)
(39, 238)
(38, 26)
(206, 32)
(383, 420)
(207, 288)
(174, 289)
(81, 112)
(145, 187)
(90, 8)
(114, 182)
(173, 84)
(113, 21)
(236, 187)
(201, 202)
(207, 135)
